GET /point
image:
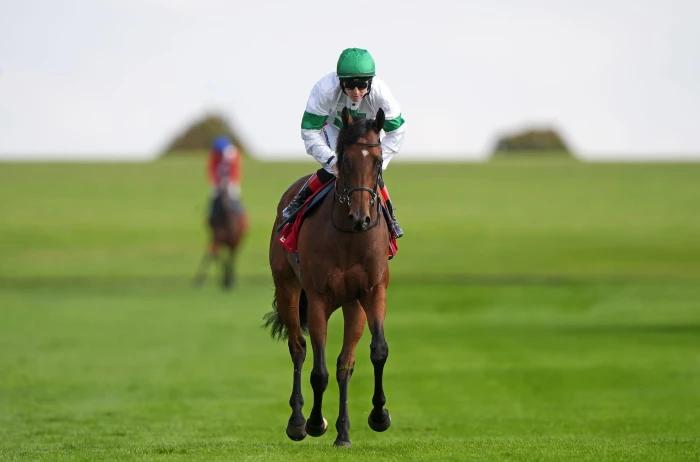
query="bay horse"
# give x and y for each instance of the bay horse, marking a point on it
(227, 225)
(341, 261)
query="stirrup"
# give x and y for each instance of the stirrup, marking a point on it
(396, 228)
(288, 215)
(297, 201)
(291, 210)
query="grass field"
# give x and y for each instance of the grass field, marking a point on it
(539, 310)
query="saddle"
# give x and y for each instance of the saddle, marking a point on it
(289, 234)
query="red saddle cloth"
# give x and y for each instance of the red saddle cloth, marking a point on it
(289, 234)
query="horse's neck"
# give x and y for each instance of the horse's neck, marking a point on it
(356, 249)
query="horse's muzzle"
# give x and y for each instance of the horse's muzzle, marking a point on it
(361, 223)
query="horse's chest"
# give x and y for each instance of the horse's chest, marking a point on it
(344, 284)
(348, 280)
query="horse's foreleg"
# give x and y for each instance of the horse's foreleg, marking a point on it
(317, 425)
(375, 308)
(228, 276)
(201, 274)
(354, 323)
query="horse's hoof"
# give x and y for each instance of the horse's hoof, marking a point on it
(316, 430)
(341, 444)
(296, 432)
(379, 423)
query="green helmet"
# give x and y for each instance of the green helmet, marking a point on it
(355, 62)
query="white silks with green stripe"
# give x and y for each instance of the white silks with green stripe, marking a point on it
(321, 123)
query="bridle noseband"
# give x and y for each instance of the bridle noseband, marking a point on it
(344, 196)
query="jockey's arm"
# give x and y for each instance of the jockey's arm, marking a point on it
(319, 107)
(394, 126)
(236, 172)
(211, 170)
(393, 139)
(317, 146)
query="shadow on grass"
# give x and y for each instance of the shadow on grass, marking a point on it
(265, 280)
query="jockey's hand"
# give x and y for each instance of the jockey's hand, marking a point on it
(332, 167)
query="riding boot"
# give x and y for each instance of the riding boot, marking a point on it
(312, 185)
(295, 204)
(395, 226)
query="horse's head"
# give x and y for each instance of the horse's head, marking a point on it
(359, 165)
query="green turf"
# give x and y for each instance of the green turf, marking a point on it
(539, 310)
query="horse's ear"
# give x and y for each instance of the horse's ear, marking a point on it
(347, 117)
(379, 120)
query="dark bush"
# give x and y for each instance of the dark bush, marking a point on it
(531, 141)
(201, 133)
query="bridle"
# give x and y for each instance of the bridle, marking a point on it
(344, 196)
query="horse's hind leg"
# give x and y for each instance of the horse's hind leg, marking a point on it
(375, 308)
(318, 325)
(354, 321)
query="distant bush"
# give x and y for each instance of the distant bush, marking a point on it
(531, 141)
(201, 133)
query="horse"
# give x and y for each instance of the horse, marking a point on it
(227, 225)
(341, 261)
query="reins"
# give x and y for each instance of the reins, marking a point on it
(344, 197)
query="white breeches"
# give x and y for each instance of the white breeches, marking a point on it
(232, 190)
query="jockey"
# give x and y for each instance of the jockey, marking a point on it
(355, 86)
(224, 170)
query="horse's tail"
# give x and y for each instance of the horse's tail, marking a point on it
(278, 329)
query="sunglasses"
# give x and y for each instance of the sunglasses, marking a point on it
(355, 83)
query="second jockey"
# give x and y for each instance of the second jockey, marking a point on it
(224, 172)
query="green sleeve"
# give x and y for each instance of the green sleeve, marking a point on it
(312, 121)
(393, 124)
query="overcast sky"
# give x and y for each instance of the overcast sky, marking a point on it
(101, 78)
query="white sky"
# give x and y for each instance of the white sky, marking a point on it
(619, 79)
